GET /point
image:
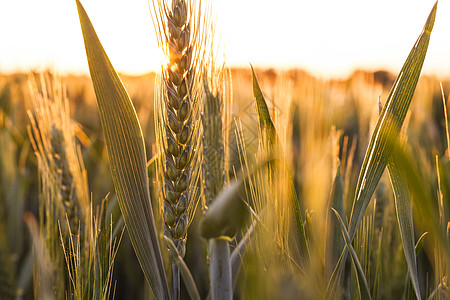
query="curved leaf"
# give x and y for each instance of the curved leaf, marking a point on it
(419, 243)
(363, 286)
(239, 252)
(151, 166)
(127, 159)
(389, 124)
(337, 202)
(404, 218)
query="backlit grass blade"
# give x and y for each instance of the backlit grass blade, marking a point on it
(239, 252)
(389, 124)
(268, 132)
(425, 210)
(362, 282)
(337, 202)
(152, 167)
(419, 243)
(404, 217)
(265, 121)
(127, 159)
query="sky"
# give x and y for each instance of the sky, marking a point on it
(325, 37)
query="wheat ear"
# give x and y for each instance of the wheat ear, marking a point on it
(177, 113)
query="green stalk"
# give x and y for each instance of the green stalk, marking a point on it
(175, 282)
(183, 270)
(220, 269)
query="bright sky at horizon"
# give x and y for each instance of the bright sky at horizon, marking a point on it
(325, 37)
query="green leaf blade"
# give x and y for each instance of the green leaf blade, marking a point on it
(337, 202)
(389, 124)
(404, 217)
(362, 281)
(127, 158)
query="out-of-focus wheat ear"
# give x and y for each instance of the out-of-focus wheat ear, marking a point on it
(62, 178)
(43, 274)
(53, 140)
(214, 179)
(213, 144)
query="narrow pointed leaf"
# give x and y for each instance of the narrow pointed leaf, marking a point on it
(239, 252)
(363, 286)
(265, 121)
(268, 131)
(335, 276)
(337, 202)
(389, 124)
(127, 159)
(427, 214)
(151, 166)
(404, 218)
(419, 243)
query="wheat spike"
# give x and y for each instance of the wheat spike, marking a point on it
(180, 34)
(61, 169)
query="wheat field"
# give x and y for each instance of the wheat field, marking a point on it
(208, 182)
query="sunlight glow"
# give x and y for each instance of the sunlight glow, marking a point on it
(327, 38)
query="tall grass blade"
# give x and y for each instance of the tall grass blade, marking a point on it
(268, 131)
(127, 158)
(337, 202)
(404, 218)
(419, 244)
(239, 252)
(363, 286)
(152, 167)
(421, 194)
(389, 124)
